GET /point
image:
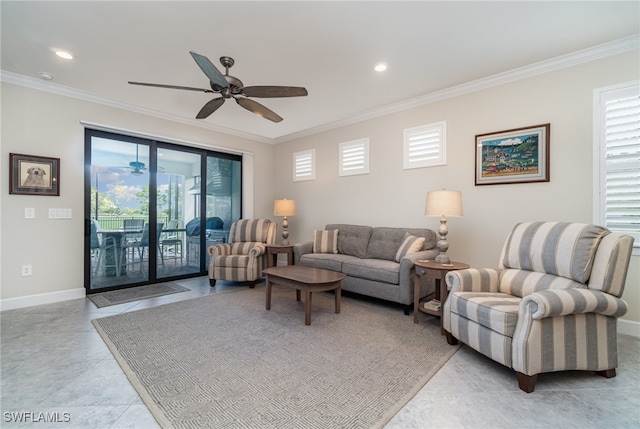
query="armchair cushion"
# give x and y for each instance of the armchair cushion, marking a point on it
(521, 282)
(496, 311)
(558, 248)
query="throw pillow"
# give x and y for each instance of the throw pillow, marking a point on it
(325, 241)
(411, 244)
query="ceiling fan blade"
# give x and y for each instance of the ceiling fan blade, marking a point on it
(258, 109)
(209, 108)
(210, 70)
(274, 91)
(158, 85)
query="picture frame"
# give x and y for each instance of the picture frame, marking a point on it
(519, 155)
(34, 175)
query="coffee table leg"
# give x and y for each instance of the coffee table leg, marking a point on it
(307, 308)
(297, 294)
(268, 294)
(337, 293)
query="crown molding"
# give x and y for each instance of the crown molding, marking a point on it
(41, 85)
(569, 60)
(615, 47)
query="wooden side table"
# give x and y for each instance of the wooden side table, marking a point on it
(273, 250)
(437, 271)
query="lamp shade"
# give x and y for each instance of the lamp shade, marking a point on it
(284, 208)
(447, 203)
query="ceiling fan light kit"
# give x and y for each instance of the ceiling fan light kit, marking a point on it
(231, 87)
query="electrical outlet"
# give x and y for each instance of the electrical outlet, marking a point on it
(26, 270)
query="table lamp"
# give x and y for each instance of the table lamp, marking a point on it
(443, 203)
(284, 208)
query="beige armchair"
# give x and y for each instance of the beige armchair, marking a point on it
(552, 305)
(243, 257)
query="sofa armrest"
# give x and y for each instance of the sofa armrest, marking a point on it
(561, 302)
(219, 249)
(300, 249)
(473, 280)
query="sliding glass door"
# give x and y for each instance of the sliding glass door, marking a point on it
(152, 209)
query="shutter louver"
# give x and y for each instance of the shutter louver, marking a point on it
(622, 164)
(424, 146)
(354, 157)
(303, 166)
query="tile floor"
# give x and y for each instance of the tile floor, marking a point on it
(52, 360)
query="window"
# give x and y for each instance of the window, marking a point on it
(354, 157)
(425, 146)
(617, 159)
(304, 165)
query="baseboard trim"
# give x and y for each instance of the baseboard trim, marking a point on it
(40, 299)
(629, 327)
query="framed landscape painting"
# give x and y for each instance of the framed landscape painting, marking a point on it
(34, 175)
(520, 155)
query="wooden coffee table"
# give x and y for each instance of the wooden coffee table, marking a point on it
(307, 279)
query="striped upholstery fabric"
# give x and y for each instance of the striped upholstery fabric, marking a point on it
(325, 241)
(611, 264)
(411, 244)
(559, 248)
(260, 230)
(553, 304)
(586, 341)
(243, 258)
(521, 282)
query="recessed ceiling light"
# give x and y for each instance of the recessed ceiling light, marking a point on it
(46, 75)
(64, 54)
(380, 67)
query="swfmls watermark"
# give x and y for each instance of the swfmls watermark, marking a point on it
(36, 417)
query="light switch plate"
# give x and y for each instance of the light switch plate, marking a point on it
(29, 213)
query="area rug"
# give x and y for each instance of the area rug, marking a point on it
(223, 361)
(121, 296)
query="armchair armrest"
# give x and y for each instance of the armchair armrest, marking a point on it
(219, 249)
(250, 248)
(561, 302)
(473, 280)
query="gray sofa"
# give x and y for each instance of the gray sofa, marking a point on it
(367, 256)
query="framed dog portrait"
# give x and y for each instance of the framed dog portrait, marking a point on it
(513, 156)
(34, 175)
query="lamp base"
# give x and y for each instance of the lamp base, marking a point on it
(442, 244)
(442, 258)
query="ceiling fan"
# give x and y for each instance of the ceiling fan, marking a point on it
(137, 166)
(231, 87)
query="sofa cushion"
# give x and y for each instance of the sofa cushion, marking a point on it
(496, 311)
(411, 244)
(558, 248)
(373, 269)
(352, 239)
(250, 230)
(327, 261)
(325, 241)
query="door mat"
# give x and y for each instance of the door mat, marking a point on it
(121, 296)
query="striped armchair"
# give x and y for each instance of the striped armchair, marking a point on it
(243, 257)
(552, 305)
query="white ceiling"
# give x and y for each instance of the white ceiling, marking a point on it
(328, 47)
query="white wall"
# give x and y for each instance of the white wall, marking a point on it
(41, 123)
(391, 196)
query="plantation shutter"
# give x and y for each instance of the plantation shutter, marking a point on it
(304, 165)
(425, 146)
(354, 157)
(620, 160)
